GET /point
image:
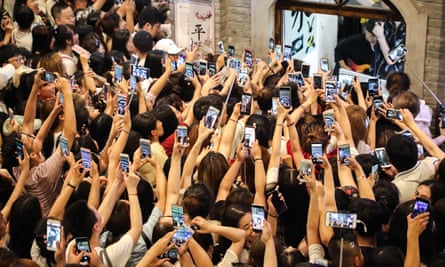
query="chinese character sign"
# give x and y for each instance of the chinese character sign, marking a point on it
(300, 32)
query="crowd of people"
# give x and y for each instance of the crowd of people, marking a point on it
(115, 153)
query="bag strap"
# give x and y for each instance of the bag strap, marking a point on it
(146, 240)
(107, 259)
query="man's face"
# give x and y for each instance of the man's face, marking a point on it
(154, 30)
(370, 38)
(66, 17)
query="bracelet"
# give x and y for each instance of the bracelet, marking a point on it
(233, 120)
(258, 159)
(290, 124)
(125, 131)
(273, 216)
(70, 185)
(279, 124)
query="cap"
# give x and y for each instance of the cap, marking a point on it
(19, 119)
(6, 74)
(168, 46)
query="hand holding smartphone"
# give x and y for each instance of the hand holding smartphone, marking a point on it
(258, 216)
(344, 153)
(145, 148)
(83, 244)
(52, 234)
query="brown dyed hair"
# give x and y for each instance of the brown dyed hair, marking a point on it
(53, 63)
(357, 117)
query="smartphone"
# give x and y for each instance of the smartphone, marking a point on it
(221, 47)
(202, 67)
(249, 136)
(231, 51)
(373, 87)
(248, 57)
(285, 96)
(52, 234)
(278, 51)
(246, 103)
(144, 144)
(442, 123)
(85, 153)
(375, 172)
(330, 91)
(212, 69)
(305, 167)
(305, 69)
(121, 105)
(242, 77)
(83, 244)
(393, 114)
(171, 254)
(398, 52)
(19, 147)
(382, 157)
(124, 162)
(235, 64)
(329, 120)
(280, 205)
(377, 102)
(141, 73)
(274, 110)
(181, 235)
(189, 74)
(133, 59)
(287, 53)
(299, 78)
(182, 135)
(211, 117)
(48, 76)
(105, 89)
(317, 153)
(345, 79)
(324, 64)
(63, 141)
(271, 44)
(341, 220)
(118, 70)
(344, 153)
(317, 80)
(177, 216)
(257, 218)
(292, 77)
(420, 206)
(133, 83)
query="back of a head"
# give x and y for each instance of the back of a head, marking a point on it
(402, 152)
(25, 17)
(162, 227)
(314, 133)
(369, 213)
(202, 105)
(408, 100)
(357, 117)
(143, 41)
(388, 256)
(119, 222)
(438, 260)
(351, 251)
(167, 116)
(198, 200)
(263, 128)
(387, 194)
(79, 219)
(144, 123)
(212, 169)
(398, 81)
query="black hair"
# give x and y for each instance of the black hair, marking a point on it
(57, 8)
(120, 39)
(369, 213)
(150, 15)
(167, 116)
(7, 51)
(110, 22)
(198, 200)
(99, 129)
(263, 129)
(402, 152)
(144, 123)
(202, 105)
(388, 256)
(62, 34)
(387, 194)
(25, 17)
(79, 219)
(143, 41)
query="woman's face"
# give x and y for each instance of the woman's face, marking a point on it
(245, 223)
(423, 191)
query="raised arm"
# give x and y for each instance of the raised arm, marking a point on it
(30, 108)
(260, 175)
(416, 226)
(226, 183)
(131, 182)
(69, 122)
(174, 178)
(364, 187)
(229, 131)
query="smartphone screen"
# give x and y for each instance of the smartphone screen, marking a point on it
(64, 146)
(49, 76)
(324, 64)
(317, 153)
(246, 103)
(249, 136)
(178, 216)
(82, 244)
(393, 114)
(145, 148)
(305, 167)
(278, 51)
(330, 91)
(181, 235)
(248, 57)
(202, 67)
(257, 218)
(341, 220)
(285, 97)
(133, 59)
(419, 207)
(124, 162)
(19, 147)
(141, 72)
(344, 153)
(242, 77)
(118, 70)
(221, 47)
(300, 78)
(212, 69)
(121, 105)
(271, 44)
(373, 87)
(329, 120)
(189, 71)
(52, 234)
(231, 51)
(382, 157)
(318, 81)
(305, 69)
(86, 158)
(274, 110)
(442, 124)
(211, 117)
(287, 53)
(377, 101)
(182, 135)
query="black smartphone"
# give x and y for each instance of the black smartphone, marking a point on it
(177, 216)
(271, 44)
(124, 162)
(212, 69)
(442, 124)
(324, 64)
(317, 153)
(145, 148)
(189, 74)
(373, 87)
(287, 52)
(83, 244)
(393, 114)
(182, 135)
(280, 205)
(420, 206)
(231, 51)
(48, 76)
(64, 146)
(285, 97)
(52, 234)
(85, 154)
(202, 67)
(19, 147)
(377, 102)
(248, 57)
(318, 81)
(249, 136)
(305, 70)
(246, 103)
(258, 216)
(344, 153)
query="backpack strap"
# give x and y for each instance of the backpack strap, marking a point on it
(146, 240)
